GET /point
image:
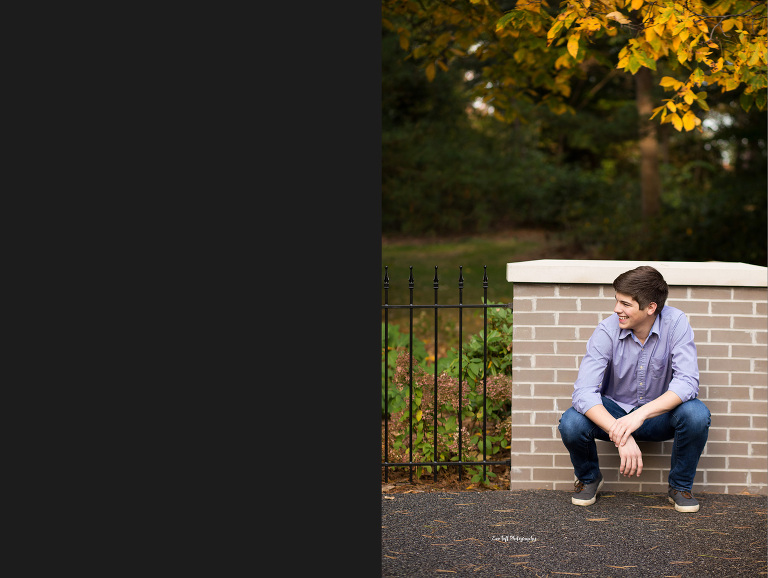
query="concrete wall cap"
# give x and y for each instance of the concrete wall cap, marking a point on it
(705, 273)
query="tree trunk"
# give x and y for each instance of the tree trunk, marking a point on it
(650, 183)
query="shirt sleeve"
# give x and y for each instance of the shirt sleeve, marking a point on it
(685, 365)
(586, 389)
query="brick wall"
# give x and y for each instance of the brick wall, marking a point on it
(554, 318)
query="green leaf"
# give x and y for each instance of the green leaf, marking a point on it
(746, 101)
(679, 27)
(666, 14)
(504, 20)
(760, 100)
(644, 59)
(633, 65)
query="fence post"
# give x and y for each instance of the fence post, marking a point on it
(386, 372)
(434, 454)
(410, 381)
(485, 356)
(461, 311)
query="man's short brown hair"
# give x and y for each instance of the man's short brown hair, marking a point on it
(645, 285)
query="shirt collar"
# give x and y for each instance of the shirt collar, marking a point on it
(654, 328)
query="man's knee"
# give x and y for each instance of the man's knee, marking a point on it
(573, 425)
(693, 414)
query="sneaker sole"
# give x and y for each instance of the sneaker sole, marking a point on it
(577, 502)
(683, 508)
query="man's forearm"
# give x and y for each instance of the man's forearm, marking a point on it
(600, 417)
(667, 401)
(622, 428)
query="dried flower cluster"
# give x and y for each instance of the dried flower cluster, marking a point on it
(498, 391)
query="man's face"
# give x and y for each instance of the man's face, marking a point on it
(629, 312)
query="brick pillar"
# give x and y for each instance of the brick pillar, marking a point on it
(558, 303)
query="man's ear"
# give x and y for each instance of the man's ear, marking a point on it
(651, 308)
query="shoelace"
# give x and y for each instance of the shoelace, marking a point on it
(686, 494)
(578, 485)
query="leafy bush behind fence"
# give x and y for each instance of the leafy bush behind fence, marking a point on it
(498, 384)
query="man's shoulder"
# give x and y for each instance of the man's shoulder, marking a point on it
(669, 313)
(673, 320)
(610, 325)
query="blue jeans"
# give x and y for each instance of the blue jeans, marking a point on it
(687, 424)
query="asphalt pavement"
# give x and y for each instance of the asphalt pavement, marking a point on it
(536, 533)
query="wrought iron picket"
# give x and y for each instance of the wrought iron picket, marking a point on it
(386, 464)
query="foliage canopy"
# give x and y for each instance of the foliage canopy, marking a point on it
(531, 52)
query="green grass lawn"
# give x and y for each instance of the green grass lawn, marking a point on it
(471, 254)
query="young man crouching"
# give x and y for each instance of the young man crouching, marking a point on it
(638, 381)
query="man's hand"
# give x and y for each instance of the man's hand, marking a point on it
(623, 427)
(631, 458)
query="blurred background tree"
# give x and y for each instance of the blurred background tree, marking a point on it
(483, 131)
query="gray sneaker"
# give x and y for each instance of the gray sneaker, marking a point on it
(586, 494)
(683, 500)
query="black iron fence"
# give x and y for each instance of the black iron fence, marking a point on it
(386, 464)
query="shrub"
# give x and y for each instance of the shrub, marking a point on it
(425, 414)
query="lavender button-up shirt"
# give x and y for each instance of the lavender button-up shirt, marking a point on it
(619, 367)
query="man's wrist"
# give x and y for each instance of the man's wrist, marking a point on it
(643, 411)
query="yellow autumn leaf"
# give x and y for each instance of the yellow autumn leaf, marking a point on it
(562, 61)
(669, 81)
(671, 106)
(677, 122)
(618, 17)
(573, 45)
(591, 23)
(554, 31)
(689, 120)
(418, 415)
(689, 97)
(431, 71)
(656, 111)
(636, 4)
